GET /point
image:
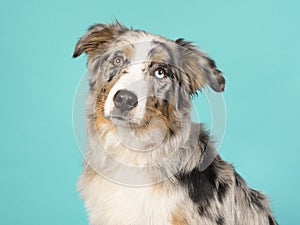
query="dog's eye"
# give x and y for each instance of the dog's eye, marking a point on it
(118, 61)
(160, 73)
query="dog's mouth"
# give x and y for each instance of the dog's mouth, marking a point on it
(118, 118)
(122, 118)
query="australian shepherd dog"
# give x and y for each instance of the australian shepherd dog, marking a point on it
(144, 163)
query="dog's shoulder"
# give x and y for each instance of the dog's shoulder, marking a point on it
(216, 188)
(210, 185)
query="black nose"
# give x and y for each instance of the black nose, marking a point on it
(125, 100)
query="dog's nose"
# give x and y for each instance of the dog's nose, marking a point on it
(125, 100)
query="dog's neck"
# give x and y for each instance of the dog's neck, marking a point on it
(113, 152)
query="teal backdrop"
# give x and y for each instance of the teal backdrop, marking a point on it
(255, 43)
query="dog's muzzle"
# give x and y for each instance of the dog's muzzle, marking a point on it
(125, 100)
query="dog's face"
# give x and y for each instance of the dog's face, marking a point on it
(137, 77)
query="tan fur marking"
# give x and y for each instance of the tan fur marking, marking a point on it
(178, 218)
(99, 118)
(89, 173)
(159, 57)
(99, 108)
(128, 50)
(195, 82)
(96, 42)
(166, 113)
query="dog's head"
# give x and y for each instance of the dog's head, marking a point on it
(136, 77)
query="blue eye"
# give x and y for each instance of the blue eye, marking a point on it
(160, 73)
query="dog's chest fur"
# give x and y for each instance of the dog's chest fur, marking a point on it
(114, 204)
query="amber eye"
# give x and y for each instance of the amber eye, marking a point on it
(160, 73)
(118, 61)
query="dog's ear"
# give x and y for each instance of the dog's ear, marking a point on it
(96, 38)
(200, 68)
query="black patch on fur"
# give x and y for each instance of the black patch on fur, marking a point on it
(239, 181)
(222, 190)
(113, 73)
(184, 43)
(92, 84)
(272, 221)
(203, 186)
(171, 131)
(111, 76)
(170, 73)
(211, 62)
(257, 198)
(220, 221)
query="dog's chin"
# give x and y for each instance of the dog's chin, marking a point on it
(123, 121)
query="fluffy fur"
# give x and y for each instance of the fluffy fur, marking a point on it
(145, 159)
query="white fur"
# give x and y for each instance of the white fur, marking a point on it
(133, 81)
(113, 204)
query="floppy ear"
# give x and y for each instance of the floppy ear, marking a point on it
(96, 38)
(199, 68)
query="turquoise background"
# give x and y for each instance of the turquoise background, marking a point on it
(255, 43)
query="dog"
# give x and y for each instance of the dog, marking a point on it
(144, 163)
